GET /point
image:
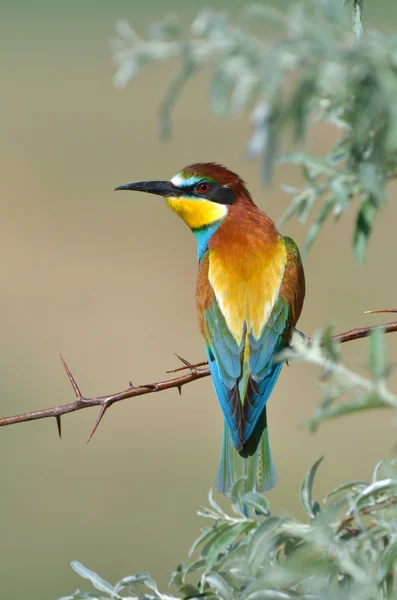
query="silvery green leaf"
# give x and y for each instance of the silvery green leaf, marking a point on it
(189, 591)
(123, 29)
(341, 196)
(217, 582)
(384, 469)
(315, 164)
(300, 205)
(207, 513)
(235, 500)
(299, 105)
(314, 230)
(134, 582)
(195, 566)
(214, 504)
(364, 224)
(147, 580)
(218, 532)
(126, 71)
(83, 596)
(220, 93)
(235, 568)
(330, 345)
(271, 147)
(261, 542)
(288, 189)
(375, 488)
(269, 595)
(377, 353)
(311, 559)
(257, 142)
(221, 543)
(257, 591)
(178, 576)
(202, 539)
(388, 560)
(356, 486)
(306, 488)
(207, 20)
(168, 29)
(359, 402)
(307, 207)
(256, 501)
(98, 583)
(357, 24)
(372, 182)
(244, 88)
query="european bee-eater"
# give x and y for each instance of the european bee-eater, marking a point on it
(250, 290)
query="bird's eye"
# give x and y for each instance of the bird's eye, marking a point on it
(203, 187)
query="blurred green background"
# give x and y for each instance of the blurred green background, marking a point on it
(109, 281)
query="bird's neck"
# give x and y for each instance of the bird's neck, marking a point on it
(203, 236)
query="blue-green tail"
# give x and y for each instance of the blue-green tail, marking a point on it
(254, 462)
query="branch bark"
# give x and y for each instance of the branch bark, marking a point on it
(196, 371)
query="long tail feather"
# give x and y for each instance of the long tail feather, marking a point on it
(256, 464)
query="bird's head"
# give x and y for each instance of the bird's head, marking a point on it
(201, 194)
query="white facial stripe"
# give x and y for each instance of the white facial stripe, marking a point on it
(179, 181)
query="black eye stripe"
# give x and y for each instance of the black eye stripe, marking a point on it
(221, 195)
(216, 193)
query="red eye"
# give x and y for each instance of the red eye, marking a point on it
(203, 187)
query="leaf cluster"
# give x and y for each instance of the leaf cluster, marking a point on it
(318, 68)
(346, 549)
(344, 390)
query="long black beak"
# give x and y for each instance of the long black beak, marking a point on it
(160, 188)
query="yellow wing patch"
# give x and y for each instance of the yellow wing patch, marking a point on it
(197, 213)
(246, 286)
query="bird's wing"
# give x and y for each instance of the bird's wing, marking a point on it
(260, 366)
(293, 286)
(224, 359)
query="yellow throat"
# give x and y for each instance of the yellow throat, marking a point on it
(197, 213)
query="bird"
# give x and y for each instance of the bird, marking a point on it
(249, 296)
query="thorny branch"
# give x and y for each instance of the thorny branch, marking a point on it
(196, 371)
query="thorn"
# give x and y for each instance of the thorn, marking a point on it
(380, 310)
(180, 390)
(59, 426)
(71, 378)
(187, 365)
(183, 360)
(99, 419)
(131, 384)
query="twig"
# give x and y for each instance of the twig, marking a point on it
(366, 511)
(358, 7)
(196, 371)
